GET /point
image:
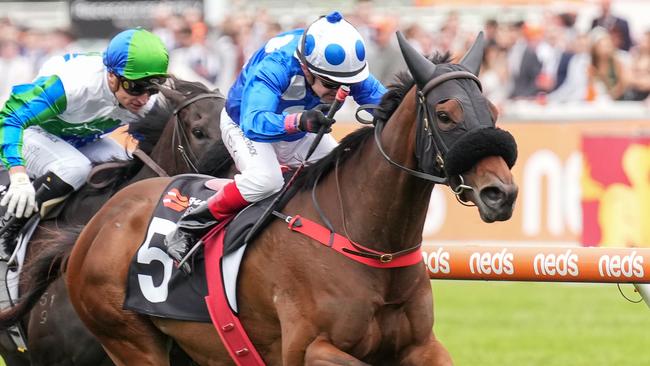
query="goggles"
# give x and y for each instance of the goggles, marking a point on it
(137, 88)
(328, 84)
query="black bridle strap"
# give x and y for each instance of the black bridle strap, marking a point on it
(197, 97)
(449, 76)
(379, 127)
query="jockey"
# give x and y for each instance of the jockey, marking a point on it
(51, 130)
(273, 112)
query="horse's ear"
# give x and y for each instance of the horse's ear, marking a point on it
(474, 57)
(174, 96)
(421, 68)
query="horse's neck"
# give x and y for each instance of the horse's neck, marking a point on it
(384, 206)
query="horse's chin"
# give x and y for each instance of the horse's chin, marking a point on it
(495, 203)
(489, 215)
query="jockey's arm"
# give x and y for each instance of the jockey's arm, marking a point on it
(260, 99)
(28, 104)
(369, 91)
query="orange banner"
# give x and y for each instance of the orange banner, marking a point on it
(544, 264)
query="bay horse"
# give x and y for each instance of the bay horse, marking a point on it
(301, 302)
(177, 135)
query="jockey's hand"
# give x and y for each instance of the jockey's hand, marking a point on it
(20, 198)
(313, 119)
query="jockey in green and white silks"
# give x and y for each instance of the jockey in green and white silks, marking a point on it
(51, 129)
(273, 112)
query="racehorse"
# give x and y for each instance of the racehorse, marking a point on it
(177, 136)
(301, 302)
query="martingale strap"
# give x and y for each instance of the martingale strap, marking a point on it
(348, 248)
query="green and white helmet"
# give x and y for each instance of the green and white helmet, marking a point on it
(136, 54)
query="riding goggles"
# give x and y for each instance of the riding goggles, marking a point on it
(328, 84)
(137, 88)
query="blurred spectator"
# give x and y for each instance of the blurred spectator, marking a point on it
(59, 42)
(491, 29)
(525, 82)
(384, 55)
(193, 61)
(228, 53)
(420, 39)
(640, 81)
(494, 74)
(14, 68)
(363, 17)
(572, 77)
(608, 74)
(618, 28)
(162, 25)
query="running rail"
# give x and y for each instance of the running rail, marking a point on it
(541, 264)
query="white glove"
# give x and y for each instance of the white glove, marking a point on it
(21, 196)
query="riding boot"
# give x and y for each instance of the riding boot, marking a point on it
(195, 224)
(10, 227)
(50, 190)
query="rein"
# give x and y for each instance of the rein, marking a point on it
(186, 153)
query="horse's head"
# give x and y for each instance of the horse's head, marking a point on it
(192, 134)
(457, 140)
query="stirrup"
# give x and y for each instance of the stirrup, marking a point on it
(183, 265)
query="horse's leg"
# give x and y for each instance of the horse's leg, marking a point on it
(137, 342)
(200, 341)
(323, 353)
(431, 353)
(427, 350)
(97, 272)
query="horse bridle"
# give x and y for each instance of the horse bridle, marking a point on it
(426, 120)
(186, 151)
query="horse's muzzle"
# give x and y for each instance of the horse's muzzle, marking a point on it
(498, 201)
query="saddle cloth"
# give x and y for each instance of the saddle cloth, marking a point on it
(155, 286)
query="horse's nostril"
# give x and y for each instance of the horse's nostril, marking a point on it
(493, 196)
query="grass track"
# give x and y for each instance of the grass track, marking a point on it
(549, 324)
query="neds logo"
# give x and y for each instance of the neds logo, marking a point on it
(496, 263)
(562, 264)
(614, 265)
(438, 261)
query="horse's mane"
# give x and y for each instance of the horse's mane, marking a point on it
(352, 143)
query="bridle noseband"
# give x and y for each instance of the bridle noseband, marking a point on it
(186, 151)
(426, 126)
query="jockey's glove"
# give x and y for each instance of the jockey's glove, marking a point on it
(313, 119)
(20, 198)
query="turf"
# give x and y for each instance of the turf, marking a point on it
(549, 324)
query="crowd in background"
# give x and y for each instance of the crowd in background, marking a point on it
(548, 62)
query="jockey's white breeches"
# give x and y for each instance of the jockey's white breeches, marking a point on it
(260, 162)
(45, 152)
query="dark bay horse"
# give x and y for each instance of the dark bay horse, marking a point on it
(300, 301)
(179, 135)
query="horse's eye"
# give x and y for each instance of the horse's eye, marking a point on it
(198, 133)
(443, 117)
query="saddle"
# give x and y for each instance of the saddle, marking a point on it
(155, 285)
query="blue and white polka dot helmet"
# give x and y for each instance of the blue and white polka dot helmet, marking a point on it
(333, 48)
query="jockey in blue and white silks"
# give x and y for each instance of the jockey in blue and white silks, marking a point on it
(51, 129)
(274, 110)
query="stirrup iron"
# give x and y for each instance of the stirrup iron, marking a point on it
(182, 265)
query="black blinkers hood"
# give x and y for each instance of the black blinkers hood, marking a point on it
(477, 144)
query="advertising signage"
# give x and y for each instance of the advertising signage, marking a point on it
(104, 18)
